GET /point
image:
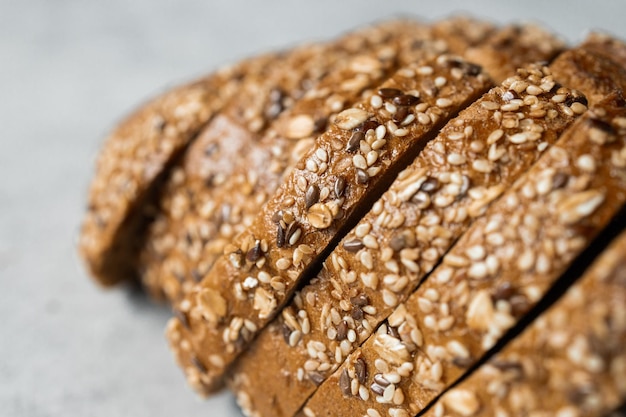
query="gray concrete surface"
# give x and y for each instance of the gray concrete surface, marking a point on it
(68, 70)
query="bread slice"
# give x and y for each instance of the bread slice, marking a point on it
(131, 164)
(350, 165)
(430, 89)
(569, 361)
(183, 244)
(473, 160)
(234, 167)
(497, 271)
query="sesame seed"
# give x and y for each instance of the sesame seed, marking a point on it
(372, 156)
(425, 70)
(443, 102)
(534, 90)
(359, 161)
(364, 393)
(456, 159)
(586, 163)
(401, 132)
(295, 235)
(376, 101)
(489, 105)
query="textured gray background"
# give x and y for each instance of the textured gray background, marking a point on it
(68, 71)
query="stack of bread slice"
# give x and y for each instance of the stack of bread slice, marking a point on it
(374, 225)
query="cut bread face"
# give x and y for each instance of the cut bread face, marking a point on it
(569, 361)
(230, 171)
(297, 266)
(351, 164)
(492, 277)
(475, 158)
(136, 159)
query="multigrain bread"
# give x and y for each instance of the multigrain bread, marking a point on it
(237, 326)
(406, 236)
(398, 389)
(136, 159)
(474, 159)
(212, 196)
(132, 162)
(183, 244)
(569, 362)
(497, 271)
(351, 164)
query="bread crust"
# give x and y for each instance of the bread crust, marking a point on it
(132, 162)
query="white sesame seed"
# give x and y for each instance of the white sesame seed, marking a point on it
(322, 155)
(370, 242)
(359, 161)
(423, 118)
(400, 132)
(482, 165)
(376, 101)
(408, 120)
(509, 107)
(372, 156)
(436, 372)
(351, 335)
(378, 144)
(388, 393)
(362, 229)
(373, 413)
(443, 102)
(478, 270)
(425, 70)
(456, 159)
(381, 365)
(381, 131)
(578, 108)
(440, 81)
(489, 105)
(366, 259)
(586, 163)
(518, 138)
(389, 298)
(364, 393)
(534, 90)
(294, 338)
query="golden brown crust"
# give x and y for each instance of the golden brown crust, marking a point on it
(462, 32)
(594, 75)
(349, 165)
(497, 271)
(570, 361)
(606, 46)
(133, 159)
(381, 261)
(512, 47)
